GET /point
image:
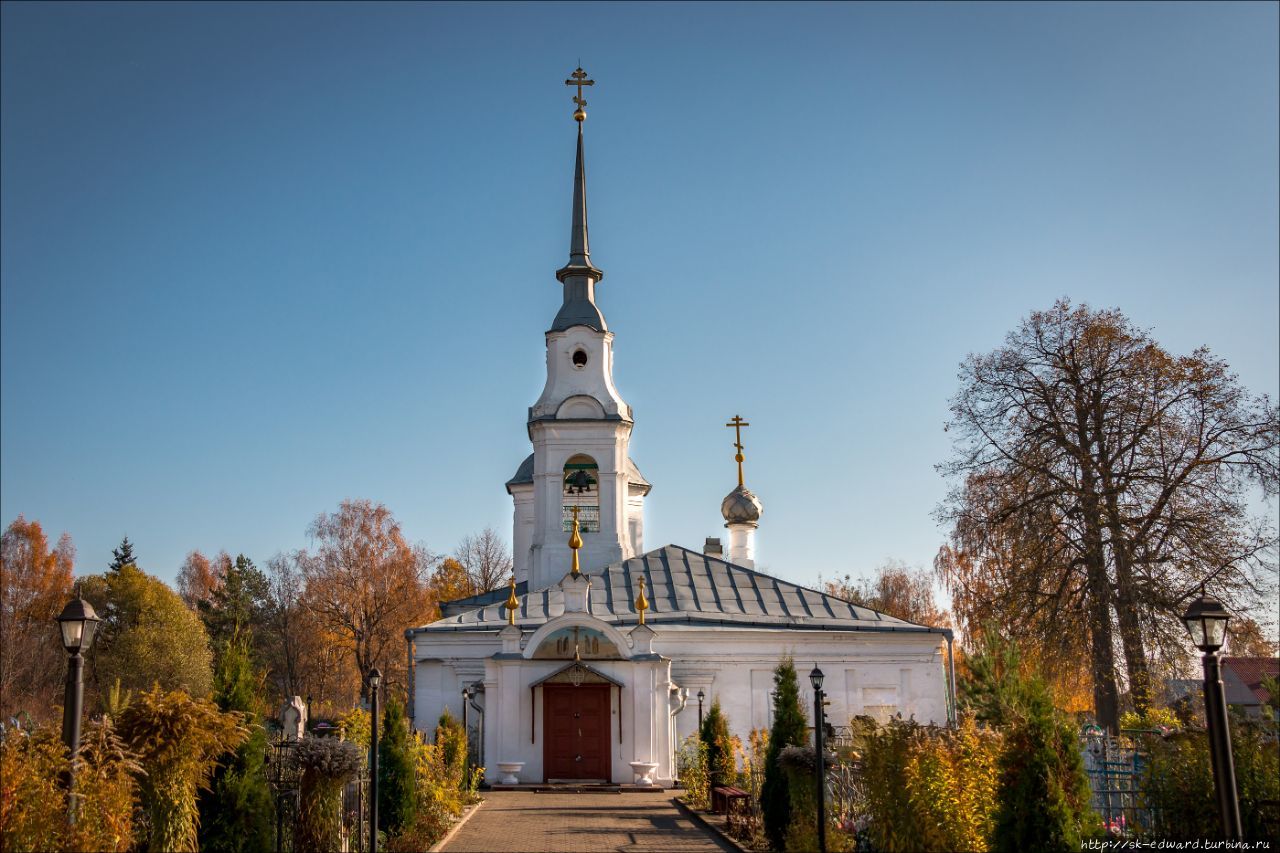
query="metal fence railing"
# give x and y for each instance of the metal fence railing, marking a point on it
(1116, 767)
(285, 778)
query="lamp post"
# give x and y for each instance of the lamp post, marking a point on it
(1206, 620)
(819, 723)
(78, 623)
(701, 696)
(375, 679)
(466, 728)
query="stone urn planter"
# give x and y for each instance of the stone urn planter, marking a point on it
(510, 771)
(644, 772)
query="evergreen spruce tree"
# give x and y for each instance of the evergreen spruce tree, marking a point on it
(237, 812)
(721, 764)
(123, 556)
(1043, 791)
(790, 728)
(397, 796)
(240, 604)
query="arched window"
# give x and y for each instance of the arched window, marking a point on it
(586, 643)
(581, 489)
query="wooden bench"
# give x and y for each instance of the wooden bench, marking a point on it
(725, 797)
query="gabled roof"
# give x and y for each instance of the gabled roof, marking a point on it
(1249, 672)
(686, 587)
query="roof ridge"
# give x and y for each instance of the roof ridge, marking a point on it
(777, 579)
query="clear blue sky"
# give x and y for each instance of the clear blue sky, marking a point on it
(259, 258)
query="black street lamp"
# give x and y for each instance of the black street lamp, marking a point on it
(1206, 620)
(467, 692)
(78, 623)
(375, 679)
(701, 696)
(819, 724)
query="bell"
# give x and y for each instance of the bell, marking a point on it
(580, 482)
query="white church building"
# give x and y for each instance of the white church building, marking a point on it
(586, 669)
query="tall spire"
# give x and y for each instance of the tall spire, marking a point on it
(579, 276)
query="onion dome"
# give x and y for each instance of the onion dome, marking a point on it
(741, 506)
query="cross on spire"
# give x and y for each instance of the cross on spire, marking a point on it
(737, 423)
(579, 80)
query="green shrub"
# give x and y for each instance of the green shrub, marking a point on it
(237, 812)
(722, 765)
(929, 789)
(397, 795)
(355, 726)
(33, 806)
(691, 767)
(1154, 718)
(327, 765)
(452, 740)
(441, 793)
(790, 728)
(179, 741)
(1043, 791)
(1178, 784)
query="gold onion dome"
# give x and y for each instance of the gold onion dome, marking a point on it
(642, 603)
(575, 542)
(513, 603)
(741, 506)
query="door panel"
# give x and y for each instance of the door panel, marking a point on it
(576, 731)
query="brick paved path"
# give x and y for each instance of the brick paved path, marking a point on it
(520, 822)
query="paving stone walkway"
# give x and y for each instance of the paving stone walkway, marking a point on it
(526, 822)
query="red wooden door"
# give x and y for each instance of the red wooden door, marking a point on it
(576, 732)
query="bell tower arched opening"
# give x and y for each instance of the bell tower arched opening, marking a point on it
(581, 488)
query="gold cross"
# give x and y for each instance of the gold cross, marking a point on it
(738, 423)
(579, 80)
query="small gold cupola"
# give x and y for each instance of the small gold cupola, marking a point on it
(642, 603)
(575, 542)
(513, 603)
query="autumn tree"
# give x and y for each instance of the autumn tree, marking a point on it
(305, 657)
(449, 581)
(197, 579)
(35, 584)
(366, 583)
(1246, 639)
(486, 558)
(1098, 481)
(147, 636)
(896, 590)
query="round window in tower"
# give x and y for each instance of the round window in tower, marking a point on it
(580, 359)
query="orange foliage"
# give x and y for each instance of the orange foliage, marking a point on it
(366, 584)
(198, 577)
(35, 584)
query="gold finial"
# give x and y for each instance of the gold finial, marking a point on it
(513, 603)
(738, 423)
(575, 542)
(579, 80)
(642, 603)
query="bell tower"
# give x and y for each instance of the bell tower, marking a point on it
(580, 426)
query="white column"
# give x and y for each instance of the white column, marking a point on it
(742, 545)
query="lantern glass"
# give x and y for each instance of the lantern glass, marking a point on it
(1215, 631)
(1195, 627)
(72, 631)
(375, 678)
(815, 678)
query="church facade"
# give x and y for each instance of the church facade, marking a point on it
(587, 667)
